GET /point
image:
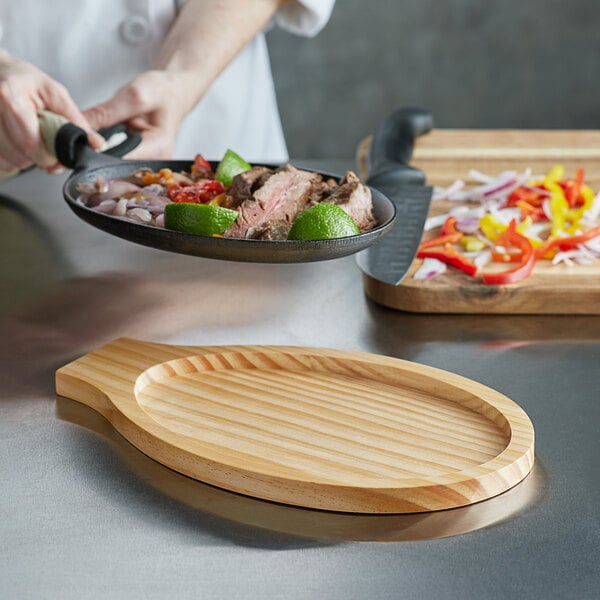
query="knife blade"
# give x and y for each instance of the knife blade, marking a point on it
(389, 259)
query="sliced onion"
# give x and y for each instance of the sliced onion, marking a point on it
(480, 177)
(140, 215)
(581, 255)
(498, 187)
(468, 220)
(494, 188)
(593, 245)
(481, 258)
(506, 215)
(435, 221)
(468, 225)
(547, 209)
(431, 267)
(120, 208)
(106, 206)
(462, 213)
(536, 228)
(564, 257)
(154, 189)
(440, 193)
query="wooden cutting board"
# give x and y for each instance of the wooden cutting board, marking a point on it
(447, 155)
(319, 428)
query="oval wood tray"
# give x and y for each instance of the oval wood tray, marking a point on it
(319, 428)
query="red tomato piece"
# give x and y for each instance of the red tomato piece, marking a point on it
(201, 168)
(200, 192)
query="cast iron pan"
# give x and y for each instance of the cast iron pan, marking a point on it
(73, 151)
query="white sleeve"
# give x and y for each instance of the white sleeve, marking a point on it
(304, 17)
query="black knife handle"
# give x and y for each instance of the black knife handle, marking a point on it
(392, 146)
(73, 150)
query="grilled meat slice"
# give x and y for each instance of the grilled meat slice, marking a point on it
(355, 198)
(246, 183)
(272, 230)
(277, 201)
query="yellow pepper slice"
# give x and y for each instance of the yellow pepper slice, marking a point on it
(588, 195)
(555, 174)
(472, 243)
(492, 228)
(559, 208)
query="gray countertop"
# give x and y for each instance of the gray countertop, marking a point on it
(86, 515)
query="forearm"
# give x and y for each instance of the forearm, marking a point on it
(208, 34)
(205, 38)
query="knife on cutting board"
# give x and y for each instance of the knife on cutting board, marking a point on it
(390, 152)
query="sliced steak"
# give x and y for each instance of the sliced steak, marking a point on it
(244, 184)
(277, 202)
(320, 191)
(355, 198)
(272, 230)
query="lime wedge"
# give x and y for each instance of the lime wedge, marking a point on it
(324, 221)
(201, 219)
(231, 165)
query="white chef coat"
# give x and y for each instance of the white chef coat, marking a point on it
(94, 47)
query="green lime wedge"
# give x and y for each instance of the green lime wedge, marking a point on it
(201, 219)
(231, 165)
(324, 221)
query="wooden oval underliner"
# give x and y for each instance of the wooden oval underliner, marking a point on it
(320, 428)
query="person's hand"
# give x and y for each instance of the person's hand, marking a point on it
(154, 103)
(24, 90)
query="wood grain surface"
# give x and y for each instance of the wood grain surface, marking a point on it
(447, 155)
(318, 428)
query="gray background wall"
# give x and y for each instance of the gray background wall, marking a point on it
(473, 63)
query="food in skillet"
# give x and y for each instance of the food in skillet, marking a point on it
(237, 200)
(501, 226)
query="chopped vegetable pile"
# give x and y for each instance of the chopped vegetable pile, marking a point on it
(513, 220)
(237, 200)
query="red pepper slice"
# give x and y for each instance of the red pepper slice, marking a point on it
(572, 189)
(567, 243)
(451, 257)
(507, 256)
(448, 235)
(525, 194)
(529, 210)
(509, 238)
(449, 226)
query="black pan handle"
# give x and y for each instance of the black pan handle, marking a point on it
(73, 151)
(392, 146)
(132, 140)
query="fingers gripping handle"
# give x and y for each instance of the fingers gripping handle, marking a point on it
(69, 143)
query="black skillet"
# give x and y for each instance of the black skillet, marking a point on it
(73, 151)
